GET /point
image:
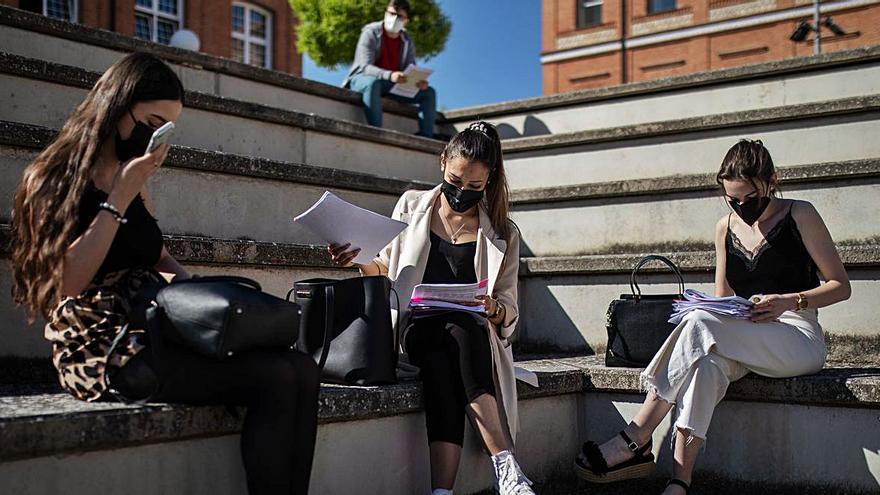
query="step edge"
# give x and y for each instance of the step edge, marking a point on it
(111, 40)
(31, 136)
(684, 183)
(55, 73)
(570, 376)
(712, 122)
(854, 255)
(698, 80)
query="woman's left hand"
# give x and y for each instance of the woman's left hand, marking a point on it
(771, 307)
(490, 304)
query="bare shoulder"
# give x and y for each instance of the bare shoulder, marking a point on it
(721, 225)
(804, 211)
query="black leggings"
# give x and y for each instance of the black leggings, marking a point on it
(452, 351)
(279, 389)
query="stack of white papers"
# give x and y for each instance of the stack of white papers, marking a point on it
(430, 299)
(733, 306)
(410, 88)
(339, 222)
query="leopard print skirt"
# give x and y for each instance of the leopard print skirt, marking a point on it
(82, 330)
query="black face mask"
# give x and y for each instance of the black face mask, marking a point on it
(460, 200)
(136, 144)
(750, 211)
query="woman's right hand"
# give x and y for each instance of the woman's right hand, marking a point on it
(133, 175)
(342, 255)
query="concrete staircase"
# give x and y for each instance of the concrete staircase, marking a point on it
(255, 147)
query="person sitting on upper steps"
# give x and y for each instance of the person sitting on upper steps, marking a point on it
(384, 50)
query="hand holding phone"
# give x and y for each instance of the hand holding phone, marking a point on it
(161, 136)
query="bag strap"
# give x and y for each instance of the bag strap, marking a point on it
(397, 326)
(226, 278)
(329, 304)
(634, 285)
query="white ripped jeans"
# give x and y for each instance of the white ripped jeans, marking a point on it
(706, 352)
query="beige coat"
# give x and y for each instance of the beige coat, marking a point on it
(406, 258)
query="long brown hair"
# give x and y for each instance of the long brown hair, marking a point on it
(480, 142)
(46, 207)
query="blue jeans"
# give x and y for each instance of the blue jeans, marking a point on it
(373, 89)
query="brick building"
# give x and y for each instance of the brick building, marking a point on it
(259, 32)
(583, 45)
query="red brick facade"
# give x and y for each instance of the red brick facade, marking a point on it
(211, 20)
(745, 32)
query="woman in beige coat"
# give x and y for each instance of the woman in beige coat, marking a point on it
(459, 233)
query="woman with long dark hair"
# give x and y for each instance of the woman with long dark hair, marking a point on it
(85, 242)
(459, 232)
(767, 247)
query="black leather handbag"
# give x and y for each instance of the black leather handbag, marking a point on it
(638, 324)
(346, 326)
(221, 316)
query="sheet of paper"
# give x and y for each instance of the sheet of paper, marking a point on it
(340, 222)
(413, 76)
(526, 376)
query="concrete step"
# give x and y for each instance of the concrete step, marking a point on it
(792, 81)
(49, 437)
(620, 216)
(30, 35)
(45, 93)
(827, 131)
(275, 266)
(564, 300)
(224, 195)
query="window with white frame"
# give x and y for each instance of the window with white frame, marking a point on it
(589, 13)
(251, 34)
(66, 10)
(157, 20)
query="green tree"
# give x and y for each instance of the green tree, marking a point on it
(328, 30)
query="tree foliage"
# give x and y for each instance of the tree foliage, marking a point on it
(328, 30)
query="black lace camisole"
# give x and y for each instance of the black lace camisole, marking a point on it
(779, 265)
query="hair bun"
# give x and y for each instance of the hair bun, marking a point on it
(480, 127)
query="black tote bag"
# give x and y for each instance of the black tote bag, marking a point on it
(638, 324)
(346, 326)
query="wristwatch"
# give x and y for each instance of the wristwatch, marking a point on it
(497, 310)
(802, 302)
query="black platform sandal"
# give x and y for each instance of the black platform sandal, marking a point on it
(675, 481)
(640, 466)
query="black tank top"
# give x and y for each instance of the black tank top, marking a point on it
(450, 263)
(137, 242)
(779, 265)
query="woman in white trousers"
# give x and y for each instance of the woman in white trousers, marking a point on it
(768, 247)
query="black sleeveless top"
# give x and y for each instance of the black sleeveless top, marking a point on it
(779, 265)
(450, 263)
(137, 242)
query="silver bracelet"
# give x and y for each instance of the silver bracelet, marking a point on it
(113, 211)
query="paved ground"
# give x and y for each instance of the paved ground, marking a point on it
(705, 484)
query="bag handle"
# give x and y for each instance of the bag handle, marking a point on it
(225, 278)
(634, 285)
(328, 324)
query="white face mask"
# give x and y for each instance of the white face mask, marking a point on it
(393, 23)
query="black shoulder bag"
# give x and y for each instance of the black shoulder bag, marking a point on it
(638, 324)
(221, 316)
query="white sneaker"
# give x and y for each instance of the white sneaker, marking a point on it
(511, 480)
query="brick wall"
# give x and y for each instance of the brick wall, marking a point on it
(756, 44)
(211, 20)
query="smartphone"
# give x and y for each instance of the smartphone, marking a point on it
(161, 136)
